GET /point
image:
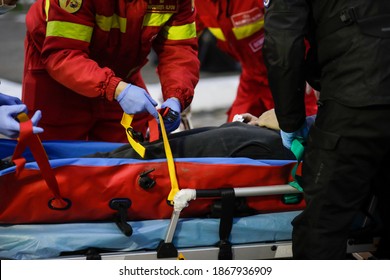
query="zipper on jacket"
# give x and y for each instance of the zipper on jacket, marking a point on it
(227, 13)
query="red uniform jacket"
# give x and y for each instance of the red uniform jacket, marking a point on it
(77, 51)
(238, 27)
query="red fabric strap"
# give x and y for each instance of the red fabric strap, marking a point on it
(28, 139)
(154, 133)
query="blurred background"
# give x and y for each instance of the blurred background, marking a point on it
(214, 93)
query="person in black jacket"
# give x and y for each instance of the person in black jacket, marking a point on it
(348, 147)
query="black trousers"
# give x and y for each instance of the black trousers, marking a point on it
(346, 160)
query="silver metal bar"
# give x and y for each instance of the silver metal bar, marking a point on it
(172, 226)
(256, 251)
(265, 190)
(239, 192)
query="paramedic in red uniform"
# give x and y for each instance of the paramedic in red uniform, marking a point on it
(238, 28)
(83, 60)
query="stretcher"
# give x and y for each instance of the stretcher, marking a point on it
(262, 236)
(257, 236)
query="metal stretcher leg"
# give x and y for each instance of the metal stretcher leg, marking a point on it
(166, 249)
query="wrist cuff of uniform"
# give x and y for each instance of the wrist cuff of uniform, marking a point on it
(184, 98)
(110, 91)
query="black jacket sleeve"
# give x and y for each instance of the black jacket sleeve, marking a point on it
(286, 25)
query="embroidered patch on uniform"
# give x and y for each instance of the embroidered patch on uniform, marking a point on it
(266, 3)
(247, 17)
(163, 6)
(70, 6)
(257, 44)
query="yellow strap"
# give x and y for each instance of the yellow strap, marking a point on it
(126, 123)
(171, 164)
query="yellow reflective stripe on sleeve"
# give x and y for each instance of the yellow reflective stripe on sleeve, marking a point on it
(217, 32)
(47, 7)
(248, 30)
(69, 30)
(115, 21)
(156, 19)
(182, 32)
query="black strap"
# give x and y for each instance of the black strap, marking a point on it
(121, 205)
(374, 25)
(343, 19)
(226, 224)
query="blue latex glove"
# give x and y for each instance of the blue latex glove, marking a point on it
(134, 100)
(310, 121)
(288, 137)
(172, 124)
(9, 126)
(9, 100)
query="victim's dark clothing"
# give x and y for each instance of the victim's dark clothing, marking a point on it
(346, 158)
(233, 139)
(228, 140)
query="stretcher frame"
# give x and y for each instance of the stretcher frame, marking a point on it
(257, 250)
(252, 251)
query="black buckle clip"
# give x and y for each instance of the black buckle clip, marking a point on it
(168, 114)
(137, 136)
(348, 16)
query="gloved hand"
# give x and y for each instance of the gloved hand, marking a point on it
(9, 100)
(172, 122)
(288, 137)
(134, 100)
(9, 126)
(310, 121)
